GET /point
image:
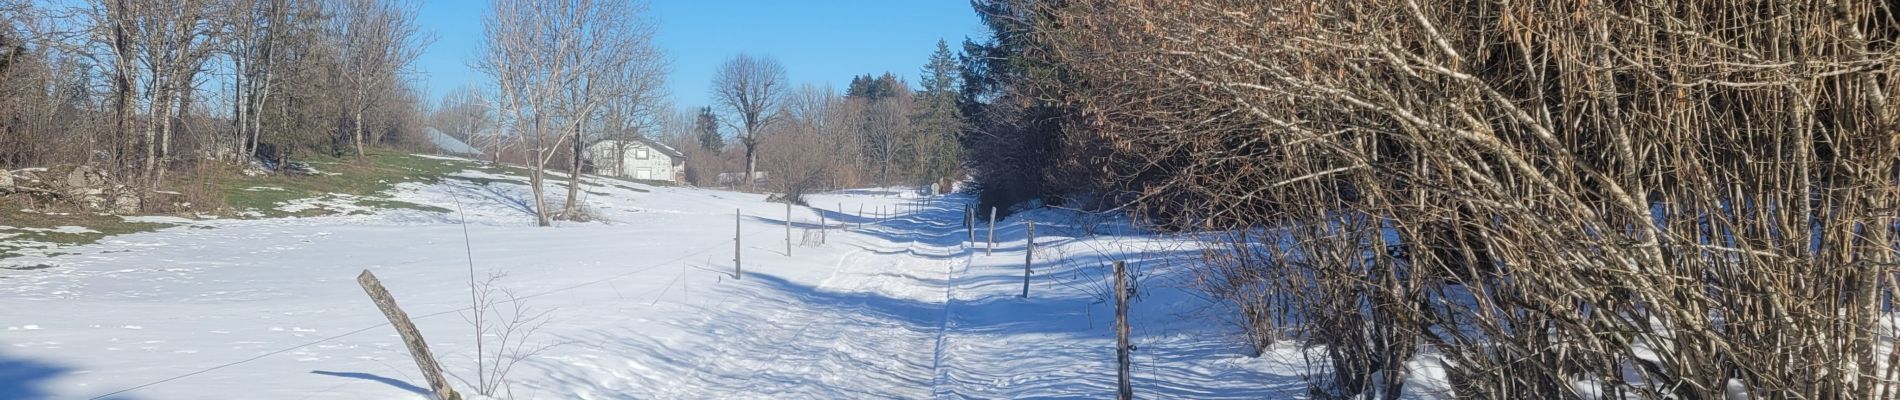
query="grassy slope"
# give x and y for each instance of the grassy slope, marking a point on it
(260, 196)
(251, 197)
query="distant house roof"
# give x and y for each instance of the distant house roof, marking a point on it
(656, 145)
(449, 144)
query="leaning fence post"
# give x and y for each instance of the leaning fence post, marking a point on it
(992, 247)
(1029, 256)
(1125, 390)
(411, 337)
(737, 272)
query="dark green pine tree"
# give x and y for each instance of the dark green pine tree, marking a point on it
(860, 87)
(707, 128)
(937, 120)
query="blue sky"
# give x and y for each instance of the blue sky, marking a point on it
(819, 42)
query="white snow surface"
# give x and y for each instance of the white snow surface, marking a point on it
(642, 306)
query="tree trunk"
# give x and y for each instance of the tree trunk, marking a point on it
(751, 163)
(256, 128)
(359, 133)
(156, 115)
(540, 199)
(539, 163)
(574, 178)
(1124, 389)
(165, 131)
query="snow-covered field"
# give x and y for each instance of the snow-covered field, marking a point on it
(642, 305)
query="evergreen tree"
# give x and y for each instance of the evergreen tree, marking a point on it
(937, 120)
(707, 128)
(1012, 109)
(860, 87)
(886, 86)
(872, 88)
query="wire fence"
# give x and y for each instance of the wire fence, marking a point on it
(637, 269)
(877, 218)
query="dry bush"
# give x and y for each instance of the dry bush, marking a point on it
(507, 332)
(1685, 199)
(195, 189)
(580, 212)
(703, 166)
(800, 163)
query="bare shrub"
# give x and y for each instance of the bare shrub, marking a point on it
(197, 190)
(579, 212)
(1692, 199)
(800, 160)
(505, 335)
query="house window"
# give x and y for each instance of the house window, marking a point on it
(640, 154)
(643, 173)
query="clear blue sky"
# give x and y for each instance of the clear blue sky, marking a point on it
(820, 42)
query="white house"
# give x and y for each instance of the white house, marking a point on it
(640, 158)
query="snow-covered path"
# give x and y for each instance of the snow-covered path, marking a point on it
(643, 306)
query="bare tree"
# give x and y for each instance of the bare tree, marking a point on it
(157, 46)
(550, 62)
(259, 32)
(752, 89)
(141, 84)
(379, 38)
(632, 86)
(466, 114)
(886, 133)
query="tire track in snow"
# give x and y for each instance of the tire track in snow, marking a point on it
(943, 328)
(818, 346)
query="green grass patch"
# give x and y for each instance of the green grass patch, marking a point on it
(100, 226)
(485, 181)
(260, 196)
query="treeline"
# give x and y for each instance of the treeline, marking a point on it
(142, 86)
(879, 131)
(1691, 199)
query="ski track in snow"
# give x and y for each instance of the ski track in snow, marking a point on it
(642, 306)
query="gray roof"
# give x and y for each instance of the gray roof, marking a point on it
(669, 151)
(449, 144)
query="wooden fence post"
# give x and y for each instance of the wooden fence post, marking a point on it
(969, 223)
(1029, 256)
(992, 247)
(824, 227)
(861, 216)
(788, 228)
(1124, 389)
(737, 272)
(411, 337)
